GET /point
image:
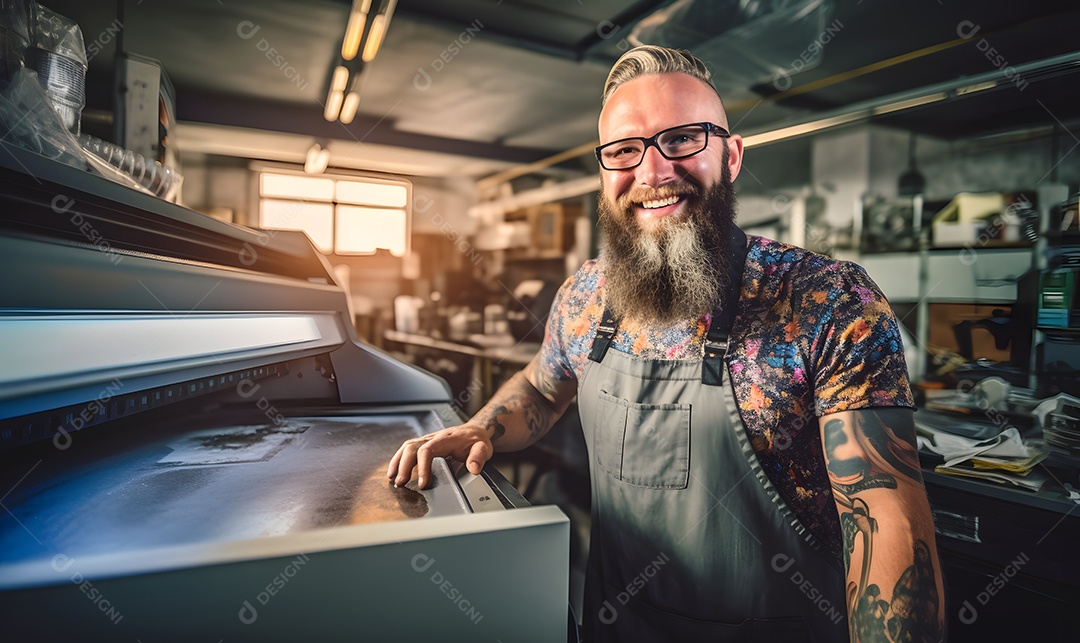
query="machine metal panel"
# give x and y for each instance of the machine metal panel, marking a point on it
(230, 486)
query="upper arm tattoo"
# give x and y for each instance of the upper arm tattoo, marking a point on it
(881, 449)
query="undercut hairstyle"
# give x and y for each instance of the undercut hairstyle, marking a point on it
(648, 60)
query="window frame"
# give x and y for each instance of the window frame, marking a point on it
(337, 177)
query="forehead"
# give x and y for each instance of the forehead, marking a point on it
(646, 105)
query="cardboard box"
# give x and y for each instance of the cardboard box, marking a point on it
(965, 218)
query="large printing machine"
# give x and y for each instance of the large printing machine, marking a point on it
(194, 444)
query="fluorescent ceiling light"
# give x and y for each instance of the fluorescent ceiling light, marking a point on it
(340, 80)
(333, 105)
(354, 30)
(348, 109)
(375, 37)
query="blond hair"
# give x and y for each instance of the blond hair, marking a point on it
(649, 60)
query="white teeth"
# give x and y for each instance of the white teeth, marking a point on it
(659, 203)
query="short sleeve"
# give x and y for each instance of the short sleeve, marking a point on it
(857, 350)
(554, 357)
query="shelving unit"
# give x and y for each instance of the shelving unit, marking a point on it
(987, 275)
(1057, 360)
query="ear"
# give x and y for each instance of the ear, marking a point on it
(735, 154)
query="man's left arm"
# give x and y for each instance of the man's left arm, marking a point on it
(893, 588)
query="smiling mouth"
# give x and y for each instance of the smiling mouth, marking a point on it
(660, 203)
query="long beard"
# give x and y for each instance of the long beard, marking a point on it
(674, 270)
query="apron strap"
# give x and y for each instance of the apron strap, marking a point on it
(716, 340)
(604, 334)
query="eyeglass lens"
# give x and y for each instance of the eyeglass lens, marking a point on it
(674, 143)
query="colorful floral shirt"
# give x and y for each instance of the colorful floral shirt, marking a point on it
(812, 336)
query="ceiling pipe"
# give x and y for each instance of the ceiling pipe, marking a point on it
(957, 89)
(493, 210)
(513, 173)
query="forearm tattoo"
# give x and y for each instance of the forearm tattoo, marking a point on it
(496, 427)
(534, 409)
(911, 613)
(878, 458)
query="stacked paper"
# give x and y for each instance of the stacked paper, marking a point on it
(1003, 458)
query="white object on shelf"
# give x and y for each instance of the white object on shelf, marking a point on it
(965, 217)
(407, 313)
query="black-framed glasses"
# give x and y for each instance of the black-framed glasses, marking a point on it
(673, 143)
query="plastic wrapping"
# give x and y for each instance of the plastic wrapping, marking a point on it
(59, 35)
(54, 76)
(744, 43)
(159, 179)
(58, 55)
(27, 116)
(30, 123)
(17, 18)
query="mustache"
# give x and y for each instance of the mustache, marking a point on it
(640, 194)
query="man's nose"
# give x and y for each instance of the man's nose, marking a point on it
(655, 170)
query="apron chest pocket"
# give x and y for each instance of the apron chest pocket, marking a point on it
(647, 445)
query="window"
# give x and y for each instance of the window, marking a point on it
(343, 215)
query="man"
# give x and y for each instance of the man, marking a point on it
(744, 402)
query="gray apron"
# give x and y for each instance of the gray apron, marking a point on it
(690, 540)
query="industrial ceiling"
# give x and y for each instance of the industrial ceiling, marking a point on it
(474, 87)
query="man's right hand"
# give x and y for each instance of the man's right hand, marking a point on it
(517, 415)
(465, 443)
